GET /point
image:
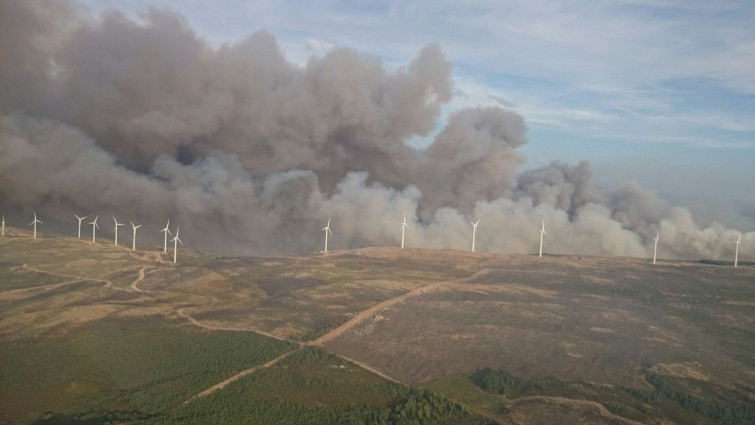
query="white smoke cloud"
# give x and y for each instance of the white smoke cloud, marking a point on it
(251, 154)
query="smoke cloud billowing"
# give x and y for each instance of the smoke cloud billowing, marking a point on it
(250, 154)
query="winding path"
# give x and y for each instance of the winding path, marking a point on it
(600, 409)
(133, 286)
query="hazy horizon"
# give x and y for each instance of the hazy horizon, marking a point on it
(249, 146)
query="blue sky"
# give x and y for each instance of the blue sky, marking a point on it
(657, 91)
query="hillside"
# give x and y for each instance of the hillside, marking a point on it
(92, 333)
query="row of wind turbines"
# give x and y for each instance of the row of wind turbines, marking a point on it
(166, 230)
(543, 233)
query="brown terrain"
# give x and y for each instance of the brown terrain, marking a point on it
(414, 316)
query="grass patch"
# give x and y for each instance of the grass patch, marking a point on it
(315, 387)
(133, 367)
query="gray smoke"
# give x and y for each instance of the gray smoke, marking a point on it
(250, 154)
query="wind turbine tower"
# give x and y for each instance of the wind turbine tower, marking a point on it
(166, 231)
(403, 230)
(3, 233)
(474, 232)
(176, 241)
(542, 233)
(95, 226)
(736, 251)
(326, 229)
(133, 241)
(80, 219)
(34, 223)
(115, 230)
(655, 246)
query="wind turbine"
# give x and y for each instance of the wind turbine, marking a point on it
(95, 226)
(655, 248)
(115, 229)
(404, 226)
(34, 223)
(736, 252)
(326, 229)
(175, 241)
(3, 234)
(542, 233)
(166, 231)
(133, 241)
(80, 218)
(474, 232)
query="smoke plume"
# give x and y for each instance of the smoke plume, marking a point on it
(250, 153)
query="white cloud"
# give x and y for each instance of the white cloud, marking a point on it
(318, 46)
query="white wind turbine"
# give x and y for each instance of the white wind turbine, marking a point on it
(3, 234)
(655, 247)
(326, 229)
(115, 230)
(79, 218)
(404, 226)
(133, 241)
(736, 252)
(176, 241)
(34, 223)
(95, 226)
(166, 231)
(542, 233)
(474, 232)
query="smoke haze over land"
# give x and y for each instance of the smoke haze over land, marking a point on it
(250, 154)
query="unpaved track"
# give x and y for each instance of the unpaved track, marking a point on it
(574, 403)
(182, 312)
(38, 288)
(366, 314)
(108, 284)
(236, 377)
(134, 284)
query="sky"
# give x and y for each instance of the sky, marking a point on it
(660, 92)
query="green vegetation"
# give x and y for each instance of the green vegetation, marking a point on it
(500, 382)
(682, 400)
(727, 408)
(315, 387)
(129, 367)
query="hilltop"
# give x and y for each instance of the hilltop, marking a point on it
(377, 335)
